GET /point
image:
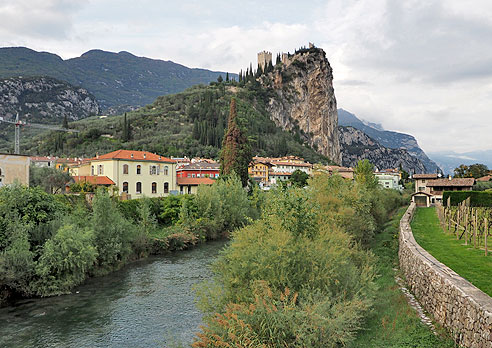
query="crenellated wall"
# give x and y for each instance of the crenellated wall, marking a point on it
(454, 302)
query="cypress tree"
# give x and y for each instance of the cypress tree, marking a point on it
(124, 135)
(65, 122)
(279, 60)
(235, 155)
(227, 77)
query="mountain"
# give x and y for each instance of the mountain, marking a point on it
(448, 161)
(389, 139)
(357, 145)
(115, 79)
(303, 99)
(45, 100)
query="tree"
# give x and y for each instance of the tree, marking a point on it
(299, 178)
(364, 174)
(476, 171)
(227, 77)
(51, 180)
(235, 155)
(65, 122)
(220, 79)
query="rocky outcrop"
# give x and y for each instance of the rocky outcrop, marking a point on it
(356, 145)
(389, 139)
(303, 100)
(45, 100)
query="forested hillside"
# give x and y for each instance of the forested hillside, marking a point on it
(190, 123)
(115, 79)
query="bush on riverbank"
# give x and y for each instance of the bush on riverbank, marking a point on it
(299, 276)
(49, 245)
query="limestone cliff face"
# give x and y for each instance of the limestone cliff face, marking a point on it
(356, 145)
(304, 100)
(45, 100)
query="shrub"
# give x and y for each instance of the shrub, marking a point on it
(65, 260)
(294, 278)
(477, 198)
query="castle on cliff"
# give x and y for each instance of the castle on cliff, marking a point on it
(265, 57)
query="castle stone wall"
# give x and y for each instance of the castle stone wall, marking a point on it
(453, 301)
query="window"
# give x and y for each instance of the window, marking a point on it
(153, 170)
(125, 168)
(192, 175)
(423, 181)
(139, 187)
(189, 175)
(0, 171)
(154, 187)
(125, 187)
(139, 169)
(189, 189)
(198, 175)
(92, 170)
(166, 170)
(100, 169)
(166, 187)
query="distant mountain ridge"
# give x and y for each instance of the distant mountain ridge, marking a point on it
(451, 160)
(389, 139)
(113, 78)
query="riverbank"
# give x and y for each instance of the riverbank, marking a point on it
(393, 323)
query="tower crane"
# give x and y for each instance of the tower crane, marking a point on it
(18, 123)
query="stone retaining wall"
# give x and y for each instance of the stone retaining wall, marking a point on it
(453, 301)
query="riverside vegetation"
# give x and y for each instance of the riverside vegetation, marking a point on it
(51, 243)
(302, 275)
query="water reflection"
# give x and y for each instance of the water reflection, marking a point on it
(145, 304)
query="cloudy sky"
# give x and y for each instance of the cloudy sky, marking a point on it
(422, 67)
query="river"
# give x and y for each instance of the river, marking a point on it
(149, 303)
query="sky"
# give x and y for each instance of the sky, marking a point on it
(422, 67)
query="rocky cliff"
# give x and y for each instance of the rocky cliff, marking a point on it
(389, 139)
(356, 145)
(304, 99)
(45, 100)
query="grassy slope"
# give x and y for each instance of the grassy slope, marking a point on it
(393, 323)
(470, 263)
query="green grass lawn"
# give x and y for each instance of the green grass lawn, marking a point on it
(393, 323)
(471, 264)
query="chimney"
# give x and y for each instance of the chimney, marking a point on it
(97, 154)
(131, 155)
(449, 177)
(145, 155)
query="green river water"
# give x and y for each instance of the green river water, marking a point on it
(149, 303)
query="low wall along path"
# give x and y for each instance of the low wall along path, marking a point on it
(454, 302)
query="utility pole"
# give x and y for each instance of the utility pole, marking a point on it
(17, 135)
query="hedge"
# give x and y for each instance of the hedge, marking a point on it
(477, 198)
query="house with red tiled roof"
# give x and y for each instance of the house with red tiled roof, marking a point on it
(190, 185)
(137, 173)
(429, 188)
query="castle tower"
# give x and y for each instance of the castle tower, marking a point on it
(264, 58)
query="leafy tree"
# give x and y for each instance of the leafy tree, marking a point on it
(220, 79)
(51, 180)
(364, 174)
(65, 260)
(299, 178)
(235, 155)
(476, 171)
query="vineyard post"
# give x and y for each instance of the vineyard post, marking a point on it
(475, 223)
(486, 233)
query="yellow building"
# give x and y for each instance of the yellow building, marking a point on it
(14, 169)
(137, 173)
(259, 171)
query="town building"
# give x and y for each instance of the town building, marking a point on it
(344, 172)
(486, 178)
(101, 180)
(43, 161)
(429, 188)
(291, 164)
(137, 173)
(14, 169)
(389, 178)
(199, 170)
(278, 177)
(190, 185)
(259, 170)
